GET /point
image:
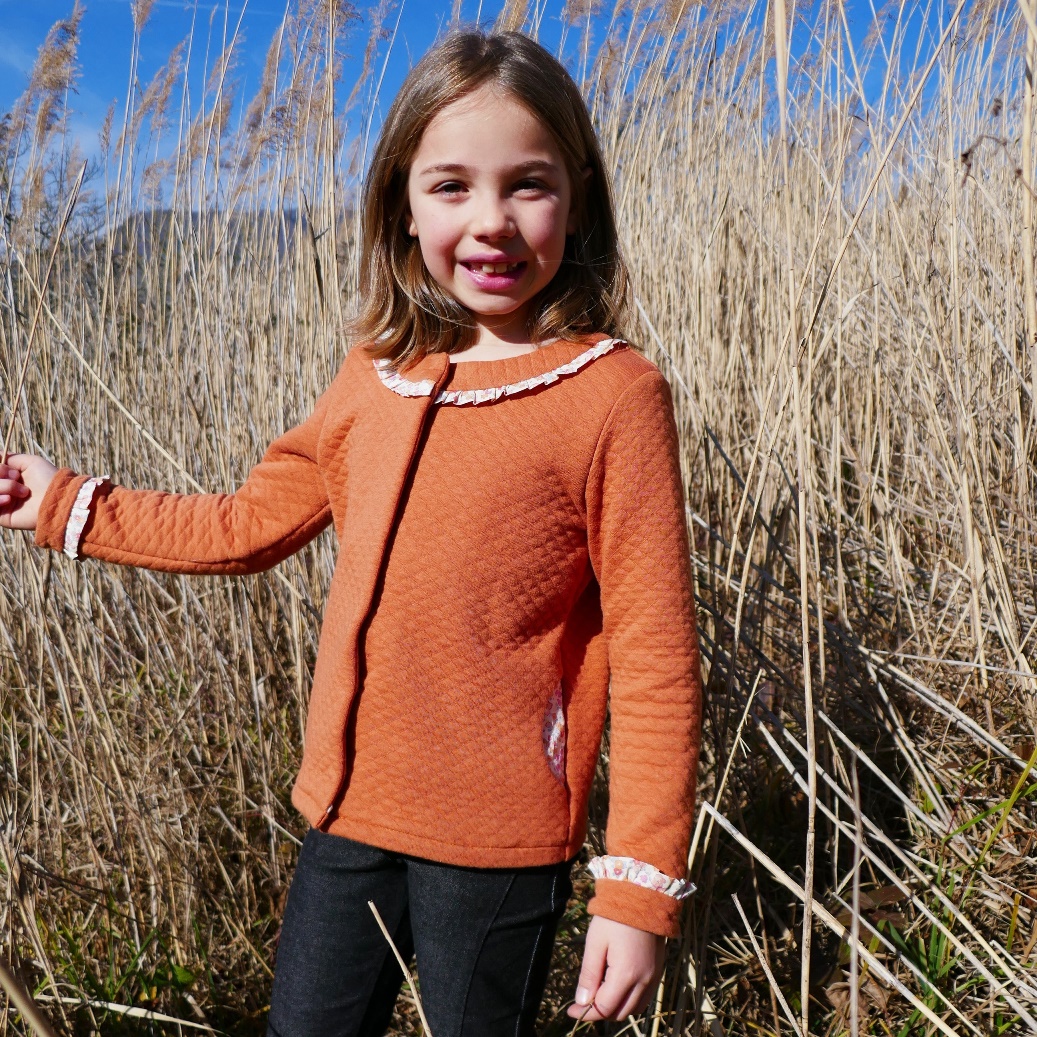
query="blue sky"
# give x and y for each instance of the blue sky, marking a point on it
(106, 35)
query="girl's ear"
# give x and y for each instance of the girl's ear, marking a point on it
(571, 223)
(412, 227)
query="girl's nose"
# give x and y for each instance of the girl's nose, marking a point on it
(492, 220)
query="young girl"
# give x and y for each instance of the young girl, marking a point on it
(502, 473)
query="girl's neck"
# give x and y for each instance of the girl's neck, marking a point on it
(492, 344)
(492, 351)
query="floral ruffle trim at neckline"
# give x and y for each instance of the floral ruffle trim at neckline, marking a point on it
(459, 397)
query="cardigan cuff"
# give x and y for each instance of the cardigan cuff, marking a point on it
(630, 869)
(56, 508)
(637, 906)
(80, 515)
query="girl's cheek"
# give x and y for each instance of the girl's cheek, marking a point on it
(435, 237)
(550, 224)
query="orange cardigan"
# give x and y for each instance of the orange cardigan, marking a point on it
(502, 562)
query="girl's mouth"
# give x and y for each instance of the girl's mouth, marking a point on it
(495, 275)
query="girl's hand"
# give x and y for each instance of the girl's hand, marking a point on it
(23, 482)
(621, 968)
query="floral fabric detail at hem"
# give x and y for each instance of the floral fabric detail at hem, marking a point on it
(459, 397)
(79, 514)
(554, 734)
(628, 869)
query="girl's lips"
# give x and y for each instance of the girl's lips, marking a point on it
(494, 276)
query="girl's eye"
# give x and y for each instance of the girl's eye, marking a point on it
(450, 187)
(530, 185)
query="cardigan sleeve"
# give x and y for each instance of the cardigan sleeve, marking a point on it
(282, 505)
(639, 549)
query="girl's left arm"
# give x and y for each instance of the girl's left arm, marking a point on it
(639, 548)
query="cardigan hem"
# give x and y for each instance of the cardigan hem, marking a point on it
(419, 845)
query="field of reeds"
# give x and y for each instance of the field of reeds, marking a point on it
(831, 234)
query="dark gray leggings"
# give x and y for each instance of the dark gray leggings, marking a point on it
(482, 937)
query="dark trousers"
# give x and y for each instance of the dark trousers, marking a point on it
(482, 938)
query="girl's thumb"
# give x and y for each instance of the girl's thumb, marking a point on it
(19, 461)
(592, 972)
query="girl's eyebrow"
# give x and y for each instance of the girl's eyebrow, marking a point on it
(444, 167)
(536, 165)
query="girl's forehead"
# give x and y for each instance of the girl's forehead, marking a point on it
(487, 118)
(486, 94)
(485, 103)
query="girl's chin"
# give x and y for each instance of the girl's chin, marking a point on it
(500, 309)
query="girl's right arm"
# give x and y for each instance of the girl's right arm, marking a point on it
(281, 506)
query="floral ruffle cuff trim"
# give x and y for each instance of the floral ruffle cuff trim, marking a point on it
(80, 513)
(628, 869)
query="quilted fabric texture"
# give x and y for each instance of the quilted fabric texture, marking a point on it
(487, 554)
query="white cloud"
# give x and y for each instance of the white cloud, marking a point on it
(15, 57)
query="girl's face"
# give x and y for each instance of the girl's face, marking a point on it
(490, 204)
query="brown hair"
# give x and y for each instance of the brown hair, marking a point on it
(404, 314)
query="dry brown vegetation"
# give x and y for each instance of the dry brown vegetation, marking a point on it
(842, 294)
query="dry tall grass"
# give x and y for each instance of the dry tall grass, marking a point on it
(842, 294)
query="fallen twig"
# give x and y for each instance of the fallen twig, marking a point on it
(22, 1000)
(403, 965)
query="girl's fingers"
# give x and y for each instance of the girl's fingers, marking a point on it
(9, 501)
(14, 500)
(591, 972)
(635, 1004)
(616, 999)
(610, 996)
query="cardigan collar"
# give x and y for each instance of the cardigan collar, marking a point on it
(478, 381)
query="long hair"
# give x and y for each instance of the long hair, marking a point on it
(404, 314)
